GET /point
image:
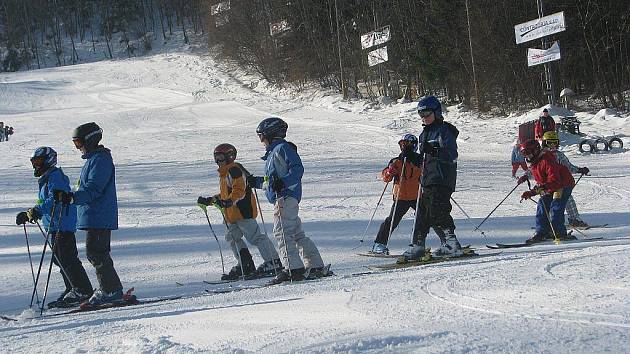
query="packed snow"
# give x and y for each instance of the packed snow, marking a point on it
(162, 116)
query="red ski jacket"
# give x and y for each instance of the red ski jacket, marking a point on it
(550, 174)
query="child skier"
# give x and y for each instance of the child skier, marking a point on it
(405, 192)
(554, 184)
(517, 158)
(283, 187)
(238, 206)
(61, 227)
(97, 210)
(551, 140)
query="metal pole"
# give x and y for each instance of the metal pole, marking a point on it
(548, 80)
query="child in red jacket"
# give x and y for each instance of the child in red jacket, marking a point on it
(554, 184)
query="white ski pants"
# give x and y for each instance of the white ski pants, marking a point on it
(287, 226)
(249, 228)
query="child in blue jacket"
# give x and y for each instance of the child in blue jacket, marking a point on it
(61, 224)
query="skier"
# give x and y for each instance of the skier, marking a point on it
(238, 206)
(283, 187)
(517, 159)
(97, 209)
(61, 227)
(405, 192)
(551, 141)
(545, 123)
(438, 148)
(1, 131)
(554, 184)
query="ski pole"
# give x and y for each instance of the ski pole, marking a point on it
(227, 230)
(466, 214)
(55, 246)
(415, 214)
(556, 239)
(262, 218)
(495, 208)
(54, 255)
(28, 249)
(393, 213)
(205, 211)
(41, 260)
(284, 239)
(374, 213)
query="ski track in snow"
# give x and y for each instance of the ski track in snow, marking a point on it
(162, 115)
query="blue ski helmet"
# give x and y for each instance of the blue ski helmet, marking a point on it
(430, 103)
(272, 128)
(411, 139)
(42, 159)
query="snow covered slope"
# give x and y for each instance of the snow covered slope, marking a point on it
(163, 115)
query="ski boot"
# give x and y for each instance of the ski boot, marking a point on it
(73, 298)
(59, 299)
(319, 272)
(269, 268)
(379, 248)
(450, 247)
(296, 274)
(415, 253)
(577, 223)
(248, 269)
(538, 238)
(101, 297)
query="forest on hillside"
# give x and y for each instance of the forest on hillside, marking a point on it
(464, 51)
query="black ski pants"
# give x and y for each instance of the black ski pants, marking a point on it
(401, 209)
(65, 246)
(97, 244)
(435, 209)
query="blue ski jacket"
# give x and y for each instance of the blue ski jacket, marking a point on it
(48, 182)
(282, 161)
(96, 200)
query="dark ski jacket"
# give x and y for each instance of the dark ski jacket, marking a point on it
(96, 200)
(48, 182)
(440, 167)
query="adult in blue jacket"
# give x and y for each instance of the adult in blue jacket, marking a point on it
(61, 227)
(97, 209)
(283, 187)
(438, 147)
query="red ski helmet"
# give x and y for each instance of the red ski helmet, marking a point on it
(224, 152)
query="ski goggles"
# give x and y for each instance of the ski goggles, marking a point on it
(78, 143)
(219, 158)
(37, 162)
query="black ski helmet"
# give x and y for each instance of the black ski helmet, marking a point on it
(88, 134)
(272, 128)
(42, 159)
(224, 152)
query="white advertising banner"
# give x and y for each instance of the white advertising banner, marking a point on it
(541, 56)
(220, 7)
(377, 56)
(279, 27)
(377, 37)
(540, 27)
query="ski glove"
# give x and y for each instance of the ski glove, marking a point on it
(63, 197)
(205, 201)
(21, 218)
(583, 170)
(528, 194)
(33, 215)
(522, 179)
(252, 181)
(277, 185)
(392, 171)
(223, 203)
(431, 148)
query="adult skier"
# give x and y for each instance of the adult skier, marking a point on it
(405, 192)
(545, 123)
(551, 141)
(238, 205)
(1, 131)
(61, 227)
(438, 148)
(97, 209)
(554, 185)
(283, 187)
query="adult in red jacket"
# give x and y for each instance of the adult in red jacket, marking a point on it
(545, 123)
(554, 184)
